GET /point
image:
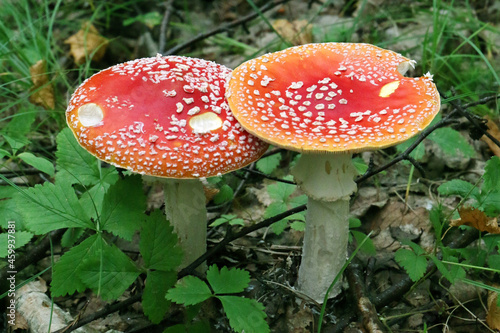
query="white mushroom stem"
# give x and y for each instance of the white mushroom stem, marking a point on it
(186, 210)
(328, 181)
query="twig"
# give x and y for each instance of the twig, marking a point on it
(102, 313)
(224, 27)
(365, 308)
(398, 289)
(280, 180)
(164, 24)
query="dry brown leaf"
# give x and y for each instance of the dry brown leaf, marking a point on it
(43, 92)
(477, 219)
(495, 132)
(87, 43)
(493, 316)
(298, 32)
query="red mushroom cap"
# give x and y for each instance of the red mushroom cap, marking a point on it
(162, 116)
(331, 97)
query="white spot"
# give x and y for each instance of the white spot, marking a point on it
(388, 89)
(180, 107)
(90, 115)
(188, 100)
(194, 110)
(343, 101)
(296, 85)
(205, 122)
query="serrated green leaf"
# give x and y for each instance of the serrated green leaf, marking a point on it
(21, 238)
(20, 124)
(274, 209)
(491, 175)
(39, 163)
(298, 226)
(245, 314)
(268, 164)
(413, 264)
(75, 164)
(123, 207)
(458, 187)
(154, 303)
(225, 194)
(189, 291)
(300, 216)
(109, 272)
(279, 227)
(71, 236)
(49, 207)
(158, 244)
(298, 201)
(16, 142)
(227, 281)
(451, 142)
(66, 278)
(280, 191)
(414, 246)
(490, 203)
(93, 199)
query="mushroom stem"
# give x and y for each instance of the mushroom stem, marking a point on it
(185, 209)
(327, 179)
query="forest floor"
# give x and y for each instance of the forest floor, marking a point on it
(417, 273)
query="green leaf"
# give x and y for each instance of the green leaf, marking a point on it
(39, 163)
(71, 236)
(368, 246)
(452, 142)
(66, 278)
(274, 209)
(16, 142)
(158, 244)
(490, 203)
(75, 164)
(280, 192)
(268, 164)
(109, 272)
(150, 19)
(245, 314)
(189, 291)
(227, 281)
(360, 165)
(298, 226)
(298, 201)
(354, 223)
(49, 207)
(413, 264)
(93, 199)
(179, 328)
(20, 239)
(279, 227)
(458, 187)
(123, 207)
(227, 218)
(416, 153)
(491, 175)
(225, 194)
(494, 261)
(20, 124)
(154, 303)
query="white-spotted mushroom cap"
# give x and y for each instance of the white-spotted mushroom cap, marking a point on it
(162, 116)
(332, 97)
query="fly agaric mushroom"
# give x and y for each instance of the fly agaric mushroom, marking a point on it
(165, 117)
(329, 101)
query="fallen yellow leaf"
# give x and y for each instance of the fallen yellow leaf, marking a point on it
(495, 132)
(87, 43)
(298, 32)
(43, 92)
(493, 316)
(477, 219)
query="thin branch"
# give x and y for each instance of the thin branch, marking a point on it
(164, 24)
(224, 27)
